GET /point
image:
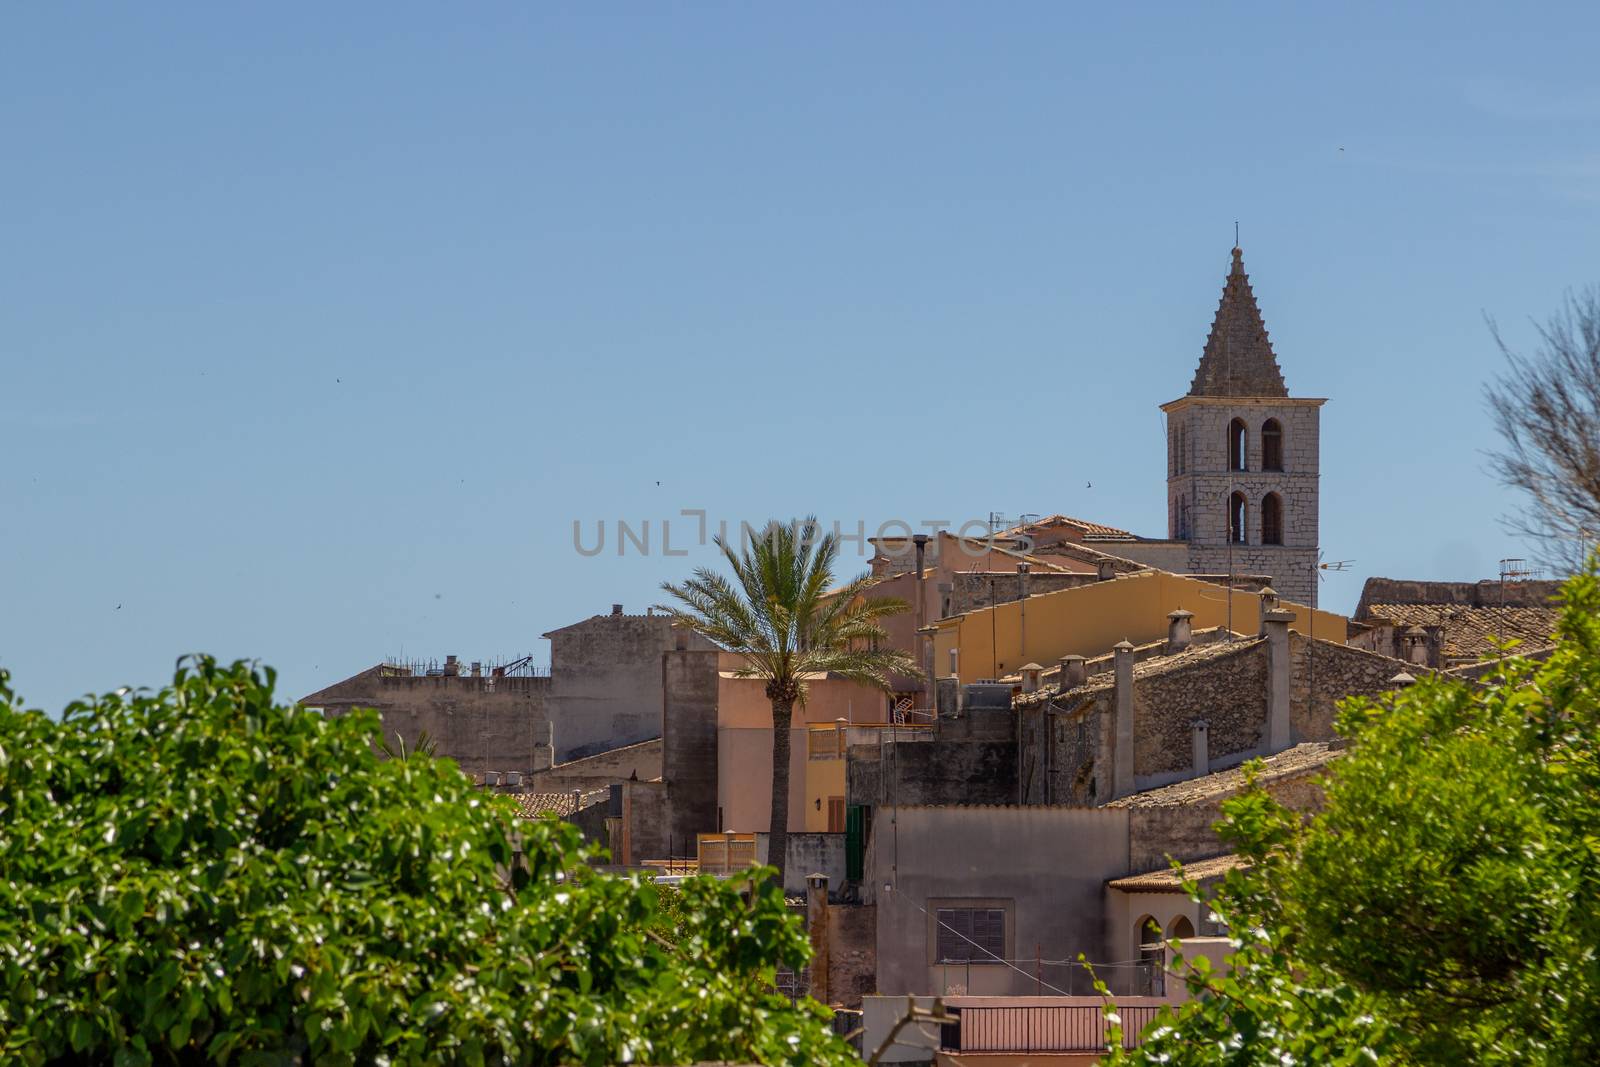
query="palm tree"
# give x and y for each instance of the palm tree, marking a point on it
(780, 615)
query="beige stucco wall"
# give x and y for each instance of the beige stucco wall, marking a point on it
(1090, 619)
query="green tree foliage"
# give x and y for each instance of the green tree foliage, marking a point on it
(203, 875)
(1444, 908)
(781, 613)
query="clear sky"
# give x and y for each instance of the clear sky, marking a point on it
(322, 324)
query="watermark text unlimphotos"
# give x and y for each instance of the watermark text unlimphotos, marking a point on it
(691, 528)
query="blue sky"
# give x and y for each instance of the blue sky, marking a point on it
(323, 325)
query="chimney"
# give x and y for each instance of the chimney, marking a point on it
(1074, 672)
(1030, 677)
(1199, 737)
(1107, 570)
(1269, 602)
(1122, 764)
(817, 926)
(451, 667)
(1179, 630)
(477, 669)
(616, 609)
(1416, 639)
(1275, 624)
(544, 749)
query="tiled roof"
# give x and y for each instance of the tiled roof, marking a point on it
(1149, 659)
(1291, 762)
(1090, 529)
(1471, 632)
(533, 805)
(1167, 880)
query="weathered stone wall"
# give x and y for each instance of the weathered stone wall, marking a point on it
(641, 761)
(1062, 744)
(941, 771)
(1223, 685)
(644, 822)
(689, 744)
(968, 591)
(605, 688)
(1488, 593)
(852, 952)
(806, 853)
(1322, 678)
(1179, 823)
(483, 723)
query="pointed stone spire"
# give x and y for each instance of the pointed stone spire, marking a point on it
(1238, 359)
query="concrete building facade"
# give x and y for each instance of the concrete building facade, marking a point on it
(606, 682)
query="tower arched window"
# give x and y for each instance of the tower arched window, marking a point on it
(1236, 518)
(1237, 445)
(1272, 520)
(1271, 446)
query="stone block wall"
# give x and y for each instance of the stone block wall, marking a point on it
(1223, 685)
(483, 723)
(1322, 678)
(1198, 476)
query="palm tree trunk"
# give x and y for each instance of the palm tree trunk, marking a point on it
(778, 831)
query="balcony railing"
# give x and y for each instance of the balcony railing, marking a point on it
(1056, 1028)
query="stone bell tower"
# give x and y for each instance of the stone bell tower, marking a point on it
(1242, 456)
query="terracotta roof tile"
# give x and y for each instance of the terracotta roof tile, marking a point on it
(1291, 762)
(1167, 880)
(1468, 632)
(533, 805)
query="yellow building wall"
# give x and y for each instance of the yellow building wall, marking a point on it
(824, 779)
(1090, 619)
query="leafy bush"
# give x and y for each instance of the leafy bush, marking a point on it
(1444, 907)
(203, 875)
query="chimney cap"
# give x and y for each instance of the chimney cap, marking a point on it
(1403, 679)
(1267, 591)
(1416, 631)
(1030, 667)
(1123, 646)
(1180, 614)
(1278, 615)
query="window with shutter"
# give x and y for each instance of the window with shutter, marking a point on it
(971, 935)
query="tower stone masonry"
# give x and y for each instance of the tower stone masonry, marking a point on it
(1243, 457)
